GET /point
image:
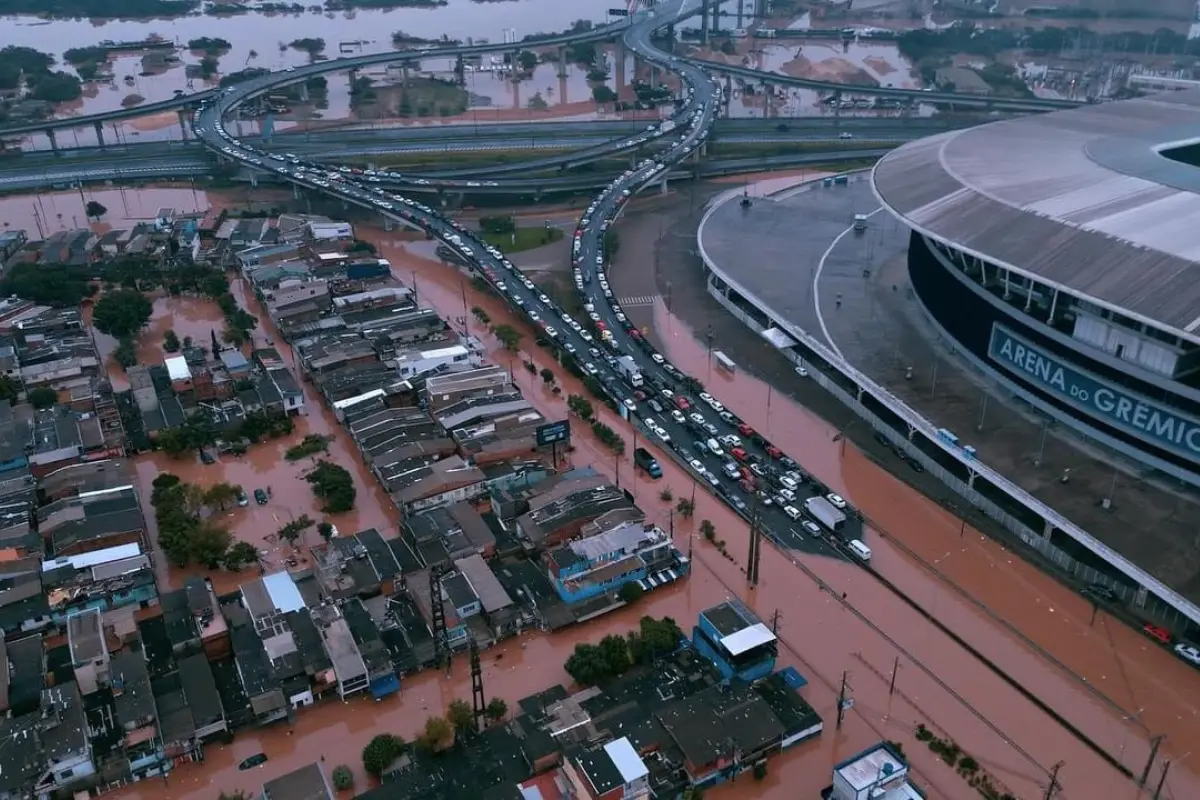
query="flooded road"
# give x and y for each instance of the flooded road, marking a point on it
(941, 686)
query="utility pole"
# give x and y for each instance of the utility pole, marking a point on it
(1161, 780)
(775, 623)
(895, 669)
(755, 544)
(478, 703)
(1053, 787)
(1155, 743)
(844, 702)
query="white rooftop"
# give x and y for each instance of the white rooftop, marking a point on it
(283, 592)
(872, 767)
(747, 639)
(85, 560)
(177, 368)
(626, 760)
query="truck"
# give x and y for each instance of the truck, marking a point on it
(629, 369)
(667, 126)
(643, 460)
(824, 512)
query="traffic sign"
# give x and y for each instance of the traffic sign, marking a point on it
(618, 12)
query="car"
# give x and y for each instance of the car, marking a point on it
(682, 403)
(738, 453)
(738, 504)
(731, 440)
(663, 435)
(792, 512)
(628, 403)
(656, 406)
(774, 452)
(657, 358)
(678, 416)
(697, 465)
(758, 469)
(667, 393)
(242, 499)
(1157, 633)
(730, 468)
(591, 368)
(1189, 653)
(253, 761)
(570, 348)
(260, 497)
(745, 430)
(813, 528)
(835, 500)
(802, 372)
(845, 135)
(727, 417)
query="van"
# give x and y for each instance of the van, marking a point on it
(860, 550)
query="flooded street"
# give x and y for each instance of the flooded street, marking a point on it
(941, 686)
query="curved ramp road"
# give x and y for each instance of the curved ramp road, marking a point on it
(611, 351)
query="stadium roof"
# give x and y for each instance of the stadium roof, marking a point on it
(1079, 200)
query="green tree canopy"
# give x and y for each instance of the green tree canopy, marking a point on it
(381, 751)
(42, 397)
(95, 209)
(122, 313)
(334, 485)
(461, 716)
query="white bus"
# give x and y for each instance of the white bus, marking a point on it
(724, 361)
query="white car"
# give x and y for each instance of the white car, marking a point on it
(802, 372)
(813, 528)
(662, 434)
(731, 440)
(632, 406)
(667, 393)
(712, 402)
(678, 416)
(553, 334)
(697, 465)
(792, 512)
(658, 359)
(590, 368)
(1189, 653)
(836, 500)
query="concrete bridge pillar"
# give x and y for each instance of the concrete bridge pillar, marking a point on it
(253, 179)
(1047, 531)
(304, 98)
(515, 61)
(99, 126)
(716, 12)
(653, 77)
(389, 224)
(353, 78)
(741, 10)
(184, 125)
(404, 75)
(53, 139)
(296, 191)
(662, 187)
(619, 65)
(704, 8)
(562, 62)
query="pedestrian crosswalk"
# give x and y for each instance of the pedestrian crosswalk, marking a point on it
(639, 300)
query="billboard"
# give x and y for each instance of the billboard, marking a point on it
(1150, 420)
(554, 432)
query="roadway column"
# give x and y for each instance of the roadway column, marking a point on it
(562, 62)
(53, 139)
(704, 22)
(716, 12)
(619, 63)
(183, 123)
(99, 126)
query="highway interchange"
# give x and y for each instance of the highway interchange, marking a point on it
(596, 343)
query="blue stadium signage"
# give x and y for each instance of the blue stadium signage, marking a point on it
(1133, 413)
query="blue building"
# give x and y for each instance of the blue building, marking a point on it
(736, 641)
(601, 564)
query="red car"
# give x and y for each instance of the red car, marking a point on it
(639, 395)
(682, 403)
(1157, 633)
(774, 452)
(738, 453)
(745, 430)
(634, 333)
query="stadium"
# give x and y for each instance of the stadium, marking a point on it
(1059, 253)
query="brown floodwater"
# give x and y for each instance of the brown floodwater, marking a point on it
(822, 634)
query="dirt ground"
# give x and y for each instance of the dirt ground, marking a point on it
(834, 69)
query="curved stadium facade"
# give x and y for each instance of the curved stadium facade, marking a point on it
(1062, 254)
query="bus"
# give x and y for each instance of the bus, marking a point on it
(724, 361)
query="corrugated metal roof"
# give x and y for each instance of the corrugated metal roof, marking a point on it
(1080, 200)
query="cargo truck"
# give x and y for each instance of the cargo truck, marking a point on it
(643, 460)
(629, 369)
(824, 512)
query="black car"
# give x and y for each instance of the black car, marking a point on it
(1100, 592)
(253, 761)
(207, 457)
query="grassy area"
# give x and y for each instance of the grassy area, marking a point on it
(523, 239)
(455, 158)
(741, 149)
(426, 97)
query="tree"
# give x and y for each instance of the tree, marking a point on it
(527, 60)
(381, 751)
(603, 94)
(760, 770)
(171, 342)
(496, 709)
(509, 336)
(615, 652)
(9, 389)
(208, 544)
(234, 336)
(325, 530)
(220, 495)
(122, 313)
(587, 665)
(708, 530)
(42, 397)
(654, 637)
(630, 593)
(126, 353)
(547, 376)
(95, 209)
(437, 736)
(686, 507)
(666, 494)
(461, 716)
(240, 555)
(334, 485)
(342, 778)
